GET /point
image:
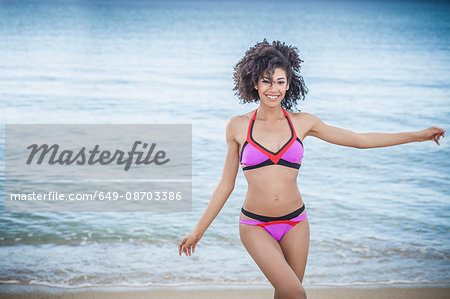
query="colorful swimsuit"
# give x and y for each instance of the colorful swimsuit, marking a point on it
(276, 226)
(254, 155)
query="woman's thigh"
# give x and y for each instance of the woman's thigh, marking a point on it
(267, 254)
(295, 246)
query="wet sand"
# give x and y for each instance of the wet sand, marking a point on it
(410, 292)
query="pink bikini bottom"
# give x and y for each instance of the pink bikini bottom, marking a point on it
(277, 227)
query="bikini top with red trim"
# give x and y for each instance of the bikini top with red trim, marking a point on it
(254, 155)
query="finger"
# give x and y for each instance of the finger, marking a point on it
(189, 250)
(180, 246)
(436, 139)
(193, 249)
(437, 130)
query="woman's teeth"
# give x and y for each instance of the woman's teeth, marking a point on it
(272, 97)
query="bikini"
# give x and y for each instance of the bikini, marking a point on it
(254, 155)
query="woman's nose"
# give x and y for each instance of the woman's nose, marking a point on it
(273, 86)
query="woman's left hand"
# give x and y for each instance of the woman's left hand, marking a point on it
(432, 133)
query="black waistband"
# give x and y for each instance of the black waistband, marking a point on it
(267, 219)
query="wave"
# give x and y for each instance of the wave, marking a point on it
(217, 284)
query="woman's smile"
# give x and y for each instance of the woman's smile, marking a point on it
(272, 89)
(272, 97)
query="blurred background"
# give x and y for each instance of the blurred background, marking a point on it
(377, 216)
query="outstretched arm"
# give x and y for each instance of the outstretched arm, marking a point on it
(368, 140)
(220, 194)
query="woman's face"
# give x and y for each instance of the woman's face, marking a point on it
(272, 90)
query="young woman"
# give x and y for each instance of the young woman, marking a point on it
(268, 143)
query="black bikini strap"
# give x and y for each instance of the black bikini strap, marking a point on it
(267, 218)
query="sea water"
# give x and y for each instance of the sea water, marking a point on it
(377, 216)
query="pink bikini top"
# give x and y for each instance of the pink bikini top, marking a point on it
(254, 155)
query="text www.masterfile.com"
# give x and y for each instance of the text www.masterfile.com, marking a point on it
(98, 195)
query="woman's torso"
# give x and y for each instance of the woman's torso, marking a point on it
(272, 189)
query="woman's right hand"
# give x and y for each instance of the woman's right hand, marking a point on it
(188, 243)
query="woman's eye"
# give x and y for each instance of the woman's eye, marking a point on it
(265, 81)
(281, 82)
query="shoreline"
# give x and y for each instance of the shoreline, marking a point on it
(440, 290)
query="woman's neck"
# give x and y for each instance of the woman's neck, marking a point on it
(270, 113)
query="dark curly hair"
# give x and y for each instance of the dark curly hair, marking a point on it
(264, 57)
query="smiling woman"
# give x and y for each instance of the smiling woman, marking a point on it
(273, 90)
(263, 63)
(268, 143)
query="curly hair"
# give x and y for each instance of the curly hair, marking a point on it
(264, 57)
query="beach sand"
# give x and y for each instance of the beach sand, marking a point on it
(412, 292)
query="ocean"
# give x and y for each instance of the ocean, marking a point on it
(377, 216)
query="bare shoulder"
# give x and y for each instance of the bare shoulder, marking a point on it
(303, 122)
(237, 124)
(238, 121)
(303, 117)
